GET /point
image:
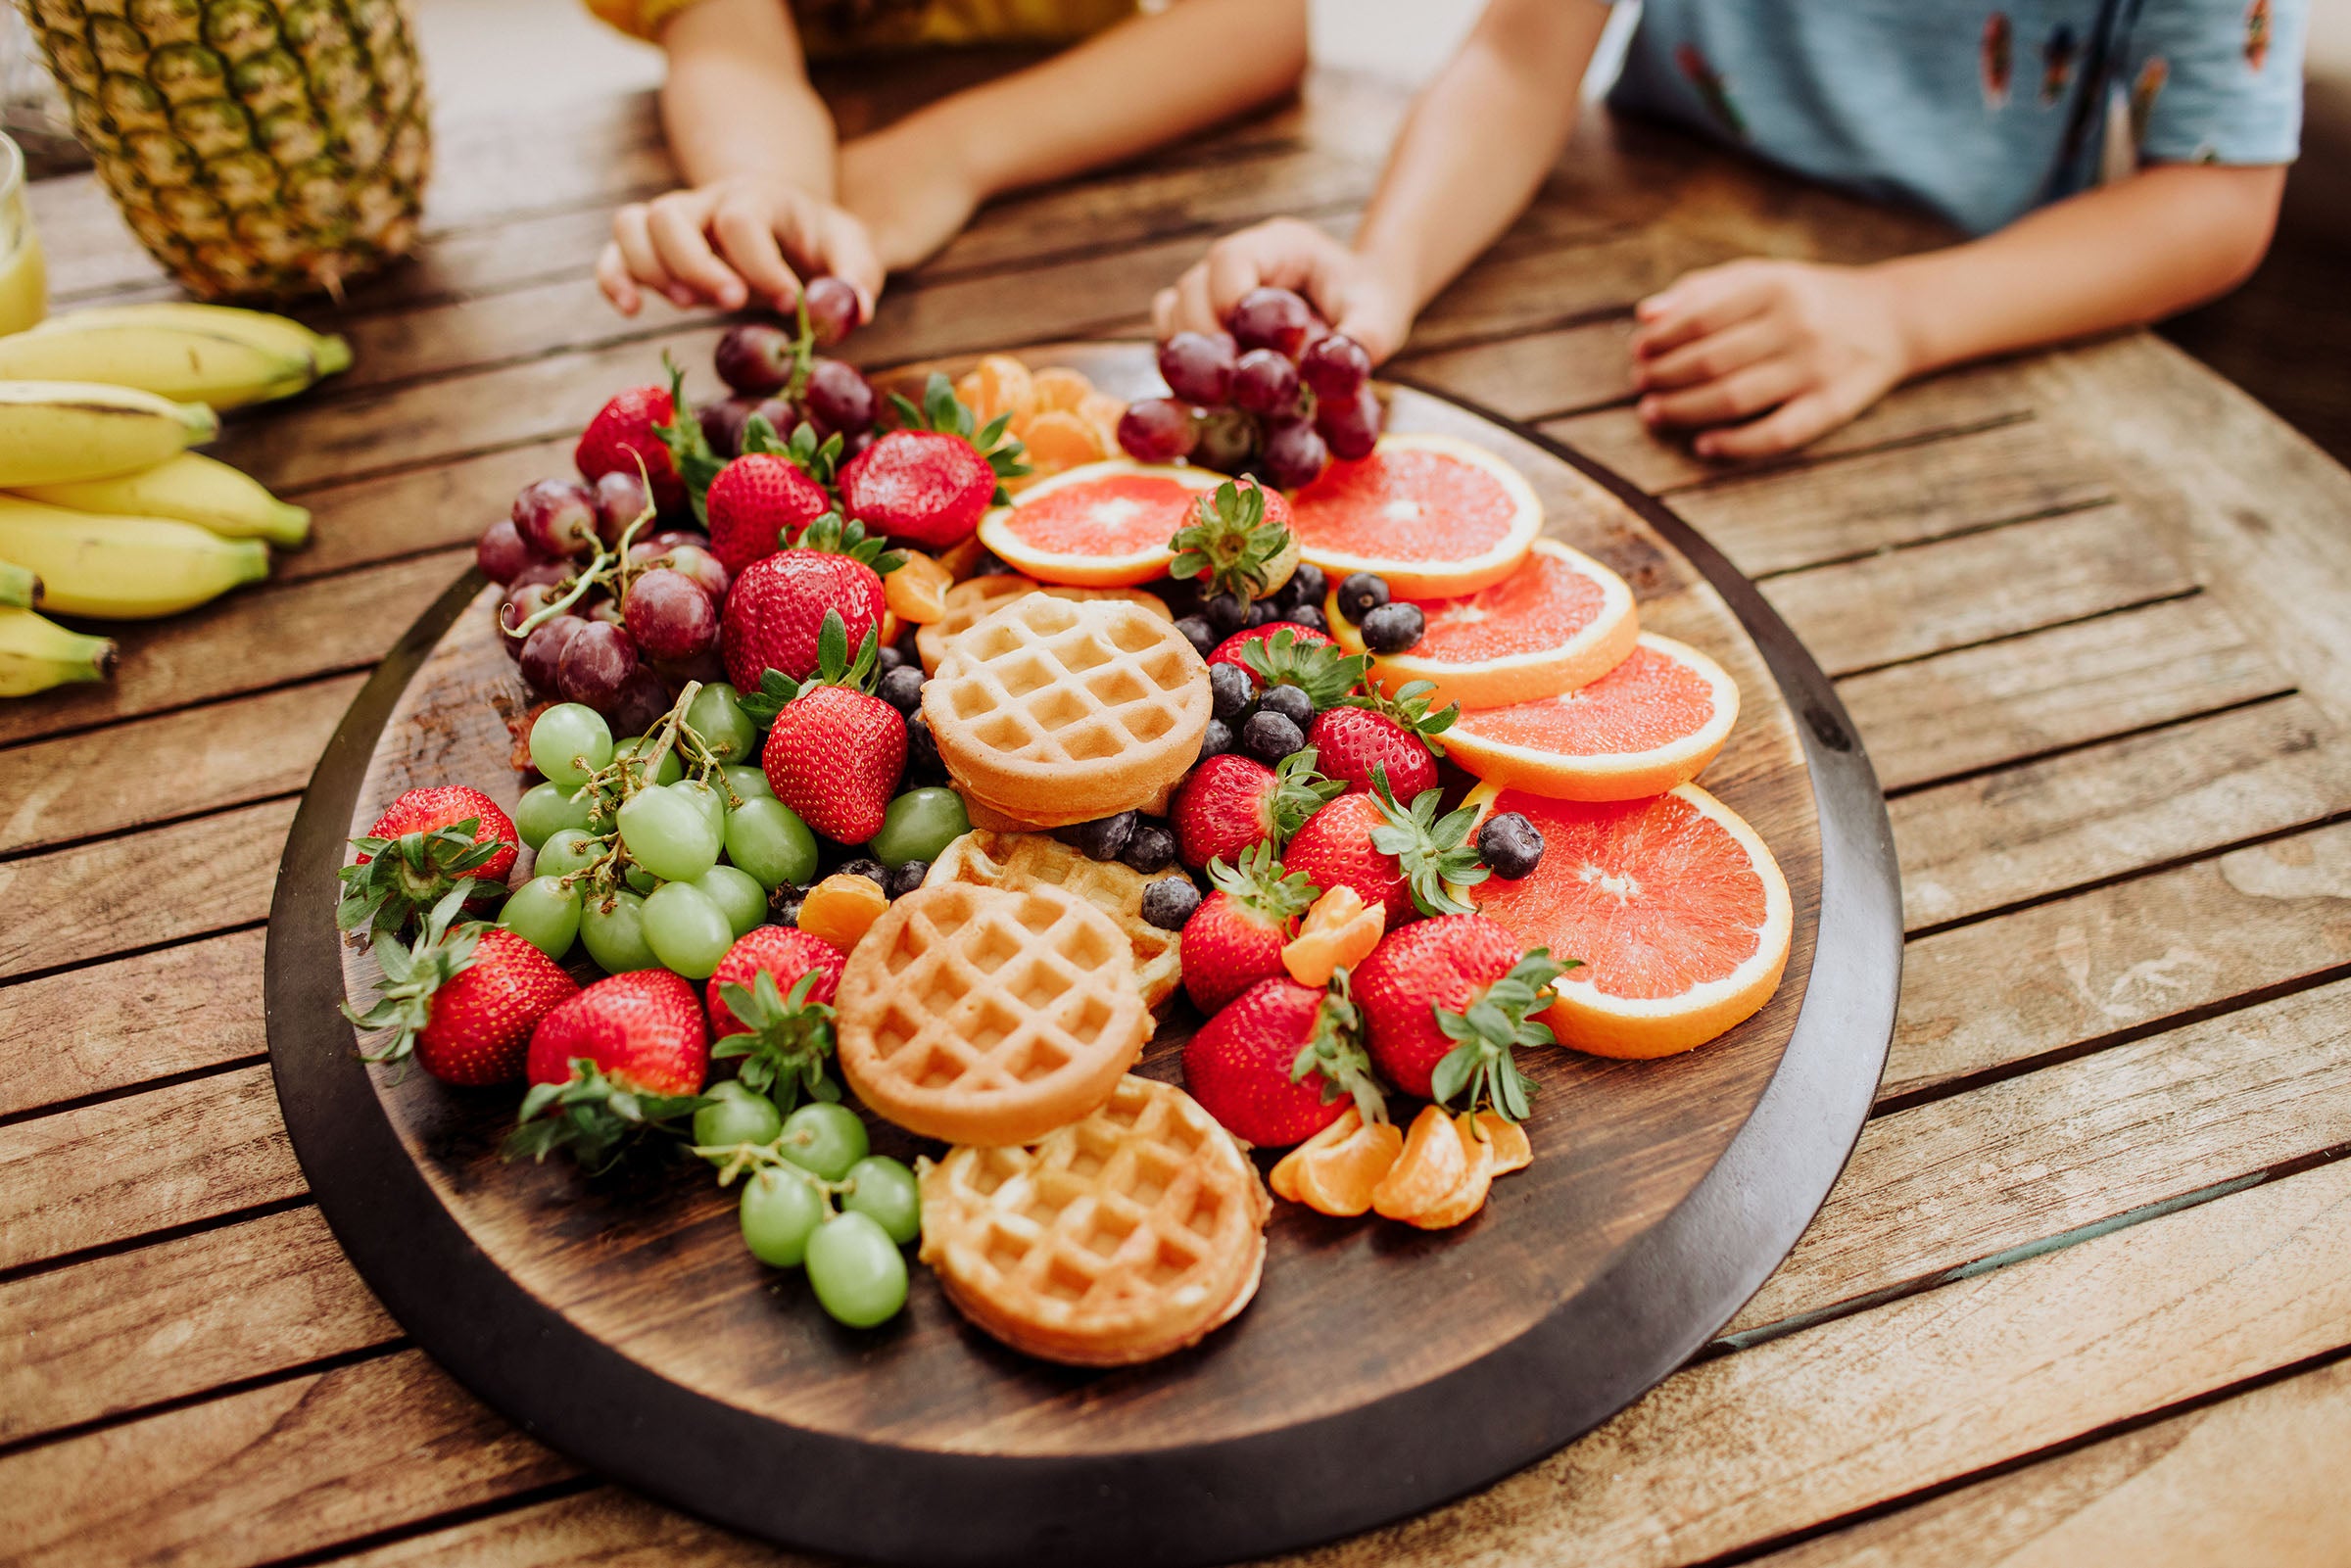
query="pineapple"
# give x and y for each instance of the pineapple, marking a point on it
(258, 148)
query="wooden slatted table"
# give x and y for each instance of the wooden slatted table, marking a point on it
(2084, 1292)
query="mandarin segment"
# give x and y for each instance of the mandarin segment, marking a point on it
(1429, 1165)
(1058, 440)
(917, 591)
(843, 908)
(1059, 387)
(1338, 933)
(1282, 1178)
(1468, 1195)
(1340, 1180)
(1509, 1142)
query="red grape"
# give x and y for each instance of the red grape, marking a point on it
(1334, 366)
(556, 517)
(1294, 455)
(500, 553)
(1350, 424)
(641, 703)
(703, 567)
(669, 615)
(609, 611)
(833, 309)
(672, 538)
(1198, 365)
(1272, 318)
(1265, 383)
(703, 667)
(723, 421)
(855, 441)
(838, 398)
(542, 650)
(755, 357)
(1225, 441)
(619, 502)
(1156, 430)
(519, 606)
(596, 662)
(780, 417)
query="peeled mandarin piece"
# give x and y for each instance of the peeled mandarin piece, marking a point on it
(841, 908)
(917, 590)
(1469, 1195)
(1508, 1140)
(1059, 438)
(1340, 1180)
(1338, 933)
(1103, 411)
(973, 396)
(1283, 1176)
(1056, 386)
(1426, 1170)
(1005, 387)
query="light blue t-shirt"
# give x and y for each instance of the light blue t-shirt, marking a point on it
(1978, 114)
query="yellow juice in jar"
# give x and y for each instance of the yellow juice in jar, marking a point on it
(24, 284)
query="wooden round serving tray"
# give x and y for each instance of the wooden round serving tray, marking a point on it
(1379, 1370)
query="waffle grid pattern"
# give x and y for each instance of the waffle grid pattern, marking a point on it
(1018, 861)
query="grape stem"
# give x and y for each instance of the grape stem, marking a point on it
(612, 569)
(738, 1159)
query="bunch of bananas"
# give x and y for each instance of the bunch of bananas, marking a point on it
(103, 510)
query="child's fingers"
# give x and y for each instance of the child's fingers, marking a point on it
(612, 276)
(747, 242)
(675, 222)
(1735, 397)
(631, 231)
(1709, 358)
(848, 251)
(1699, 305)
(1191, 310)
(1163, 315)
(1792, 424)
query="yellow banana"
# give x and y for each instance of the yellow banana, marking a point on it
(37, 654)
(123, 568)
(187, 365)
(329, 354)
(20, 587)
(192, 488)
(52, 432)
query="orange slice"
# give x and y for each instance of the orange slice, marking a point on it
(1340, 1179)
(1508, 1139)
(1056, 386)
(1103, 525)
(1561, 619)
(1434, 516)
(1676, 909)
(1468, 1196)
(1652, 722)
(1427, 1170)
(1338, 933)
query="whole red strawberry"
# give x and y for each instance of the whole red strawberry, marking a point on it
(834, 751)
(1407, 858)
(784, 952)
(419, 849)
(1350, 741)
(1234, 938)
(777, 606)
(465, 1002)
(1279, 1063)
(752, 503)
(626, 1055)
(1231, 802)
(1234, 649)
(925, 488)
(623, 431)
(1416, 990)
(1335, 847)
(771, 1009)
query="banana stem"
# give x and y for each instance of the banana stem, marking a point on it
(19, 585)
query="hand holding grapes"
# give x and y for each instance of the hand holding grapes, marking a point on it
(1352, 294)
(732, 242)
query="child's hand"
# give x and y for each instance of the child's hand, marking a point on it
(1805, 345)
(1284, 253)
(731, 242)
(912, 194)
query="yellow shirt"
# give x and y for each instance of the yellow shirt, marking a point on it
(845, 27)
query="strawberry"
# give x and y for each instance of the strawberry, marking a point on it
(782, 951)
(1234, 938)
(834, 751)
(1238, 541)
(1231, 802)
(1401, 858)
(1375, 729)
(1235, 649)
(928, 482)
(425, 843)
(462, 1000)
(628, 428)
(782, 1036)
(1277, 1062)
(627, 1053)
(779, 603)
(752, 503)
(1444, 1002)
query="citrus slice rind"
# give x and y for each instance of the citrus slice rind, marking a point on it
(1652, 722)
(1486, 649)
(1673, 905)
(1427, 546)
(1099, 525)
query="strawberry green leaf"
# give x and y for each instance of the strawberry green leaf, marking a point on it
(1435, 853)
(1489, 1029)
(1228, 541)
(689, 450)
(833, 537)
(404, 1003)
(776, 688)
(406, 875)
(1325, 673)
(1258, 881)
(594, 1118)
(1335, 1051)
(1408, 706)
(1299, 791)
(785, 1041)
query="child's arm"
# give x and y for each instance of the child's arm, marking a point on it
(755, 144)
(1472, 152)
(1807, 346)
(1132, 87)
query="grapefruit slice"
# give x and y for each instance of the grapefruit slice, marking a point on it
(1098, 525)
(1652, 722)
(1561, 619)
(1434, 516)
(1678, 912)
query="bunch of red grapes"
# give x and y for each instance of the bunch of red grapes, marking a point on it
(757, 359)
(1276, 394)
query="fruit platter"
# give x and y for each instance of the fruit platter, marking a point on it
(1145, 952)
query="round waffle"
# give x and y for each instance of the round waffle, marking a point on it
(975, 598)
(983, 1016)
(1058, 710)
(1018, 862)
(1114, 1240)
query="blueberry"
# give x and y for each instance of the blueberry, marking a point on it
(889, 659)
(922, 752)
(1306, 586)
(1307, 616)
(1290, 703)
(907, 878)
(1105, 838)
(1215, 739)
(902, 688)
(1229, 689)
(1510, 845)
(866, 866)
(1170, 901)
(1264, 612)
(1199, 634)
(1227, 613)
(1393, 628)
(1181, 595)
(909, 652)
(1269, 737)
(1152, 848)
(1361, 593)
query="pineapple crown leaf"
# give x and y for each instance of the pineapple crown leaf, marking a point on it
(594, 1117)
(1258, 881)
(784, 1042)
(1407, 708)
(411, 873)
(1299, 791)
(1335, 1051)
(1228, 541)
(1489, 1029)
(944, 412)
(689, 450)
(835, 666)
(829, 534)
(1434, 851)
(1324, 671)
(413, 973)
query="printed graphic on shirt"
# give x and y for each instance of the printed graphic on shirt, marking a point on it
(2151, 78)
(1710, 88)
(2257, 33)
(2057, 61)
(1997, 49)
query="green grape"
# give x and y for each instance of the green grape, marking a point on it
(641, 882)
(544, 914)
(884, 1192)
(747, 782)
(546, 809)
(716, 715)
(669, 835)
(612, 929)
(826, 1139)
(781, 1212)
(857, 1270)
(736, 1115)
(708, 797)
(569, 850)
(738, 893)
(569, 742)
(687, 929)
(668, 770)
(767, 838)
(918, 824)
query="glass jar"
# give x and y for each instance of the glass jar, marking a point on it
(23, 274)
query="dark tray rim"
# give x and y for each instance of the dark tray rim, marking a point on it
(1663, 1300)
